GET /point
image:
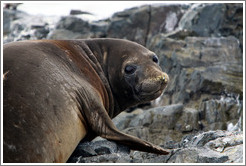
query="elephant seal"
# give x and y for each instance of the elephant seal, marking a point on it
(57, 92)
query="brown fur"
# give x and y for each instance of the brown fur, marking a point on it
(57, 92)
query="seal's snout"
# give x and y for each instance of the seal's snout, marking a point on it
(163, 78)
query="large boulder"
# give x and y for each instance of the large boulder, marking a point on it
(141, 23)
(73, 24)
(214, 20)
(223, 114)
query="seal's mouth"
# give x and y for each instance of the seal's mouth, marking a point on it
(150, 95)
(152, 88)
(157, 91)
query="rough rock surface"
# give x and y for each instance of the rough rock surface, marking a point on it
(205, 72)
(214, 20)
(206, 147)
(139, 24)
(100, 151)
(160, 124)
(200, 115)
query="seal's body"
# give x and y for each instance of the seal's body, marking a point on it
(57, 92)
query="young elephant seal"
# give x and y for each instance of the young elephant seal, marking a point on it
(57, 92)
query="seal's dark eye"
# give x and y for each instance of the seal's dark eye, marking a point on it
(155, 59)
(130, 69)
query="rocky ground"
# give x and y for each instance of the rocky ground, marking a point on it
(200, 115)
(205, 147)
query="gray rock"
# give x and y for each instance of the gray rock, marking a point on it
(211, 147)
(85, 150)
(10, 30)
(200, 139)
(73, 24)
(161, 124)
(9, 16)
(211, 157)
(199, 68)
(140, 24)
(164, 18)
(22, 26)
(122, 120)
(6, 21)
(100, 151)
(189, 121)
(206, 147)
(214, 20)
(130, 24)
(195, 155)
(78, 12)
(144, 157)
(105, 147)
(107, 158)
(225, 114)
(204, 19)
(71, 27)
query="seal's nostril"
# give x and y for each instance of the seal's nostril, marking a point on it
(161, 78)
(165, 78)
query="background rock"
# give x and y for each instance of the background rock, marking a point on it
(22, 26)
(71, 27)
(160, 124)
(203, 69)
(140, 24)
(214, 20)
(200, 48)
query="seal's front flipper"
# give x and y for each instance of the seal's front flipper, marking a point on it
(132, 142)
(99, 122)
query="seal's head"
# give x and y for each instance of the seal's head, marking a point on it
(134, 74)
(143, 76)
